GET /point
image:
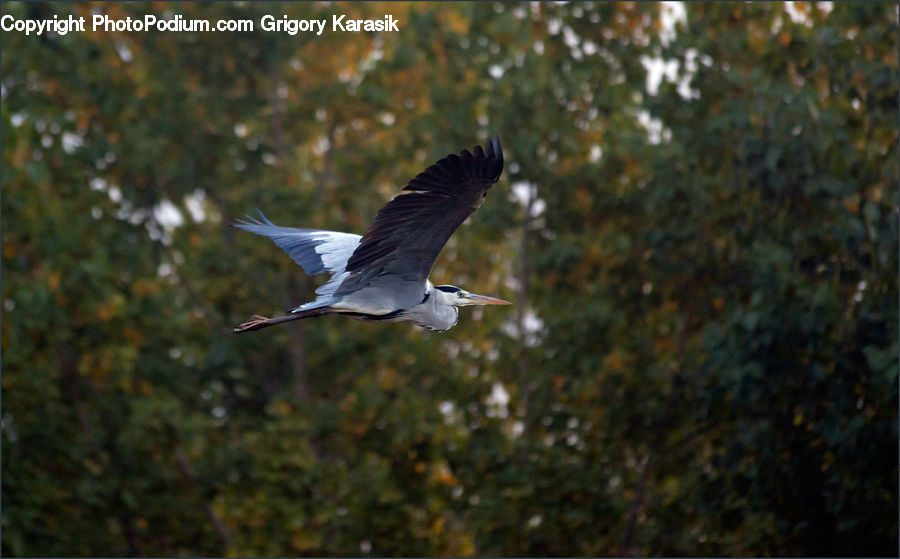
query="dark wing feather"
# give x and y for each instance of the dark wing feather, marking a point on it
(411, 230)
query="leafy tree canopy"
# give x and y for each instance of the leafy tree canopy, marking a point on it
(697, 223)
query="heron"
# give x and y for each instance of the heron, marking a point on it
(383, 274)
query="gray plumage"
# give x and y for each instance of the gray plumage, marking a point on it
(383, 275)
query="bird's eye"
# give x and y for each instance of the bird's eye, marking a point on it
(462, 294)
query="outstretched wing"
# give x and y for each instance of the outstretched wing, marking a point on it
(410, 231)
(315, 250)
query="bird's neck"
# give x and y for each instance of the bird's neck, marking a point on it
(442, 299)
(445, 314)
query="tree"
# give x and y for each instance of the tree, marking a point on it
(702, 359)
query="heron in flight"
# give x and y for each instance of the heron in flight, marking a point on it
(383, 275)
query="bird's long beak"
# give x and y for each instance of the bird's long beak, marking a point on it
(483, 300)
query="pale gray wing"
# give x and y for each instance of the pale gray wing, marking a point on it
(400, 247)
(315, 250)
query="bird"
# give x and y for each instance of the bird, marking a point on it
(383, 274)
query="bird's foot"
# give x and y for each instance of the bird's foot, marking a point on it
(255, 323)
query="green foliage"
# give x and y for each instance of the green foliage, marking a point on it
(702, 359)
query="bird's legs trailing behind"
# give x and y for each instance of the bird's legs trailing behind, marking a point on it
(257, 322)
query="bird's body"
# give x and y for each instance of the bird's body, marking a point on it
(435, 311)
(383, 275)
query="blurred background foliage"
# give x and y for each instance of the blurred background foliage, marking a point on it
(697, 223)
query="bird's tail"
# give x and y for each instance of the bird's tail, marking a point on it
(257, 322)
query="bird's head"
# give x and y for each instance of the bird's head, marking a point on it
(459, 297)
